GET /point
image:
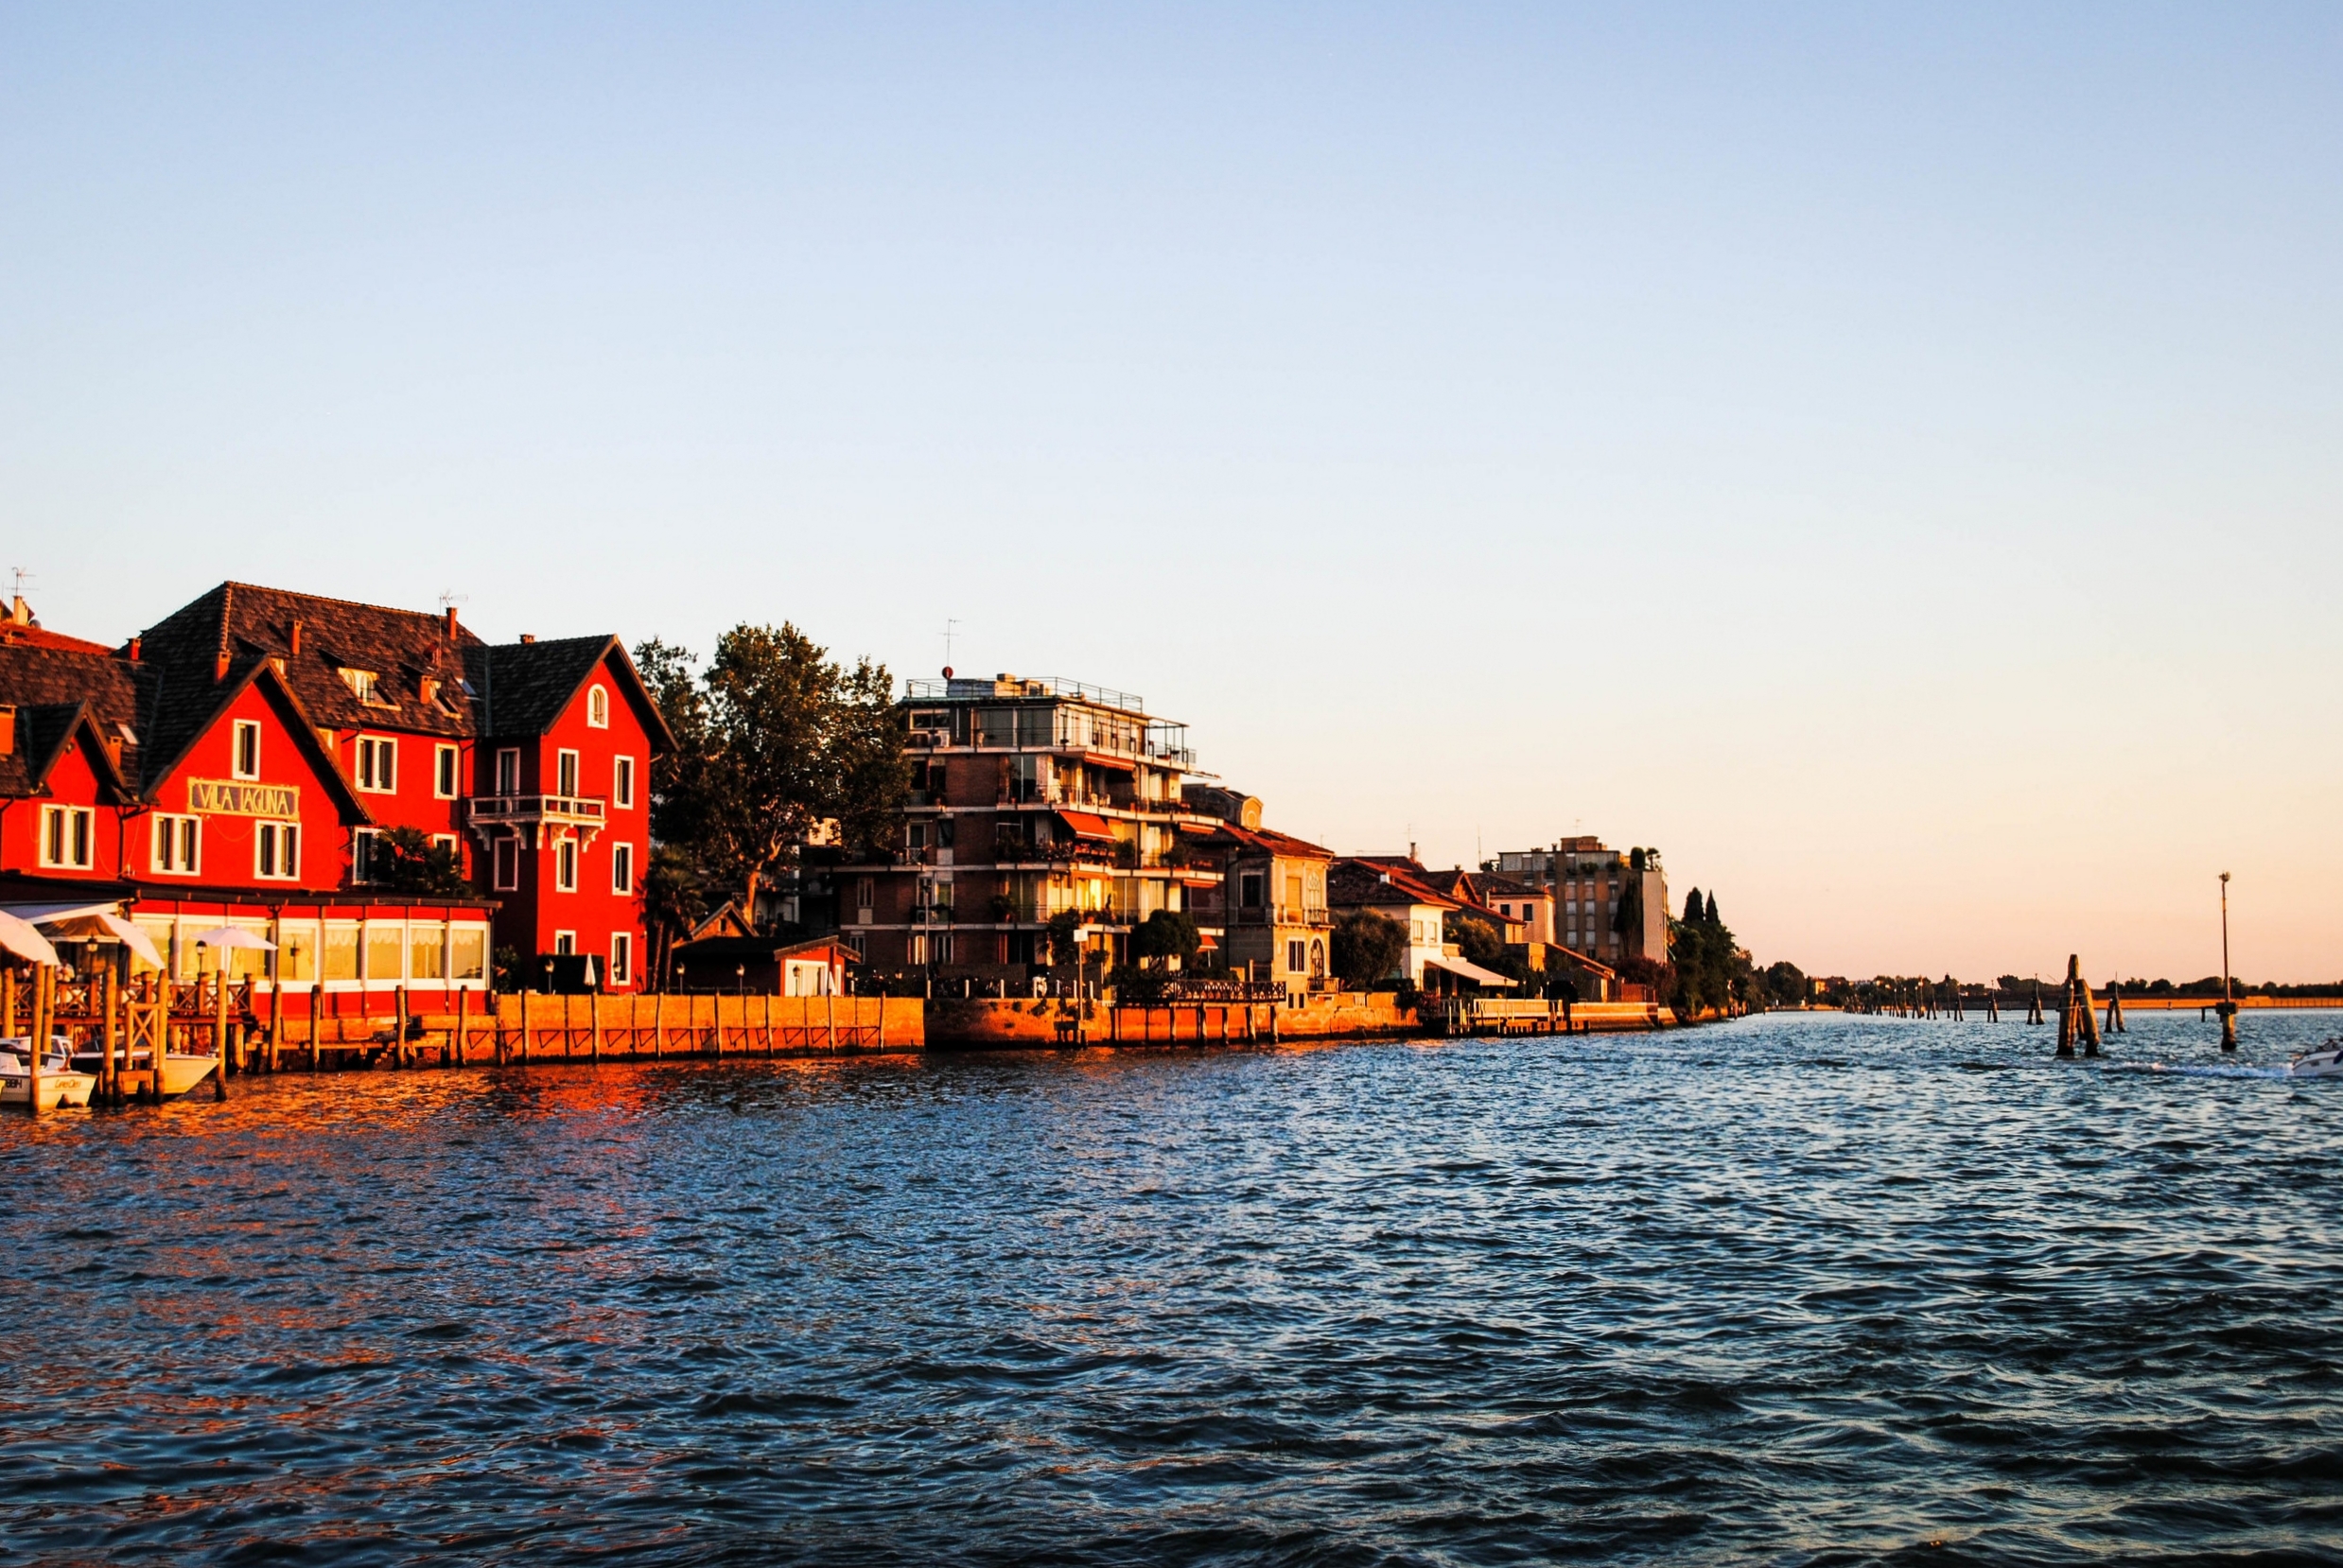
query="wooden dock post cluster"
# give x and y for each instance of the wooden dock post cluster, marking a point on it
(2075, 1021)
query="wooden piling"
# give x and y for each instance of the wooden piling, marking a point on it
(593, 1021)
(7, 1000)
(2115, 1009)
(109, 1076)
(39, 1037)
(220, 1035)
(524, 1027)
(658, 1024)
(456, 1041)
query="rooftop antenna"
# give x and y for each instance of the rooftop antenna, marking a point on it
(22, 576)
(448, 598)
(949, 625)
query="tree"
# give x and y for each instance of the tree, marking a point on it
(402, 860)
(1482, 943)
(1785, 984)
(1164, 935)
(1366, 948)
(1710, 917)
(773, 741)
(673, 901)
(1693, 912)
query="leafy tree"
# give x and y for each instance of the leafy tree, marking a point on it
(403, 860)
(773, 740)
(1166, 934)
(673, 900)
(1483, 944)
(1366, 948)
(1785, 984)
(1628, 917)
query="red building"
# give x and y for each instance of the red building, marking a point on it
(239, 761)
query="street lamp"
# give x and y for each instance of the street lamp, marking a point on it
(2229, 1005)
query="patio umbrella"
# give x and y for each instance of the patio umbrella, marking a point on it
(17, 936)
(234, 936)
(99, 921)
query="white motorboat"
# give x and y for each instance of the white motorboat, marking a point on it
(60, 1084)
(2324, 1062)
(181, 1072)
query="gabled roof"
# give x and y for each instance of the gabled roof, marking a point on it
(32, 634)
(1362, 881)
(402, 648)
(49, 685)
(176, 720)
(42, 734)
(524, 688)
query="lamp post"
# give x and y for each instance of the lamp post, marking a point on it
(2229, 1005)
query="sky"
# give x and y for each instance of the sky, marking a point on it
(1885, 457)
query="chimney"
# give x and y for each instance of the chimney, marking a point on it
(292, 641)
(451, 632)
(8, 731)
(1412, 849)
(18, 611)
(137, 643)
(529, 637)
(219, 666)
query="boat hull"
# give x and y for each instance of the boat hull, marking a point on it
(58, 1089)
(180, 1073)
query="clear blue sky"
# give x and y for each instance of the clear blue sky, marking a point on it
(1885, 457)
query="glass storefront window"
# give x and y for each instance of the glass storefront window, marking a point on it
(426, 949)
(467, 954)
(341, 952)
(385, 951)
(296, 953)
(159, 933)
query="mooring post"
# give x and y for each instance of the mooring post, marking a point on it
(593, 1023)
(220, 1034)
(2088, 1021)
(659, 1023)
(524, 1025)
(2115, 1009)
(2229, 999)
(2066, 1011)
(40, 1037)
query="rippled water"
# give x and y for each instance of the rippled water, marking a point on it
(1798, 1289)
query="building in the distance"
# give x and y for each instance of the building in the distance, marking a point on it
(1608, 905)
(1032, 799)
(1272, 902)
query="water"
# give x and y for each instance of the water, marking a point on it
(1794, 1290)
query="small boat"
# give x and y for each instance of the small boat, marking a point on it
(180, 1072)
(60, 1084)
(2324, 1062)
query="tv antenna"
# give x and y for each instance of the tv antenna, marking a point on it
(22, 576)
(950, 629)
(448, 599)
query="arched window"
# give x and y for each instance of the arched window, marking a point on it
(1317, 959)
(598, 708)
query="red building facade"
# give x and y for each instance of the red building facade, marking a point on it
(239, 761)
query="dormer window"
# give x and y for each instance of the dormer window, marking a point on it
(598, 708)
(366, 686)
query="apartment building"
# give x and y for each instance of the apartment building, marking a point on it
(1608, 905)
(1032, 797)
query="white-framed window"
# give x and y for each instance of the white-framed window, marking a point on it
(1295, 956)
(178, 845)
(245, 748)
(443, 772)
(623, 868)
(622, 957)
(276, 852)
(623, 782)
(377, 764)
(448, 842)
(386, 951)
(864, 895)
(566, 772)
(467, 953)
(504, 864)
(564, 942)
(598, 708)
(364, 842)
(508, 771)
(565, 867)
(68, 837)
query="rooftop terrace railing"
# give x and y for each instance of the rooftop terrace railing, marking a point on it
(1010, 687)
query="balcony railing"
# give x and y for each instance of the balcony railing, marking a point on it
(1284, 914)
(495, 808)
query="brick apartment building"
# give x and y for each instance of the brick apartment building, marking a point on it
(1589, 885)
(1031, 797)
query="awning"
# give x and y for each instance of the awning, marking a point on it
(1086, 825)
(17, 936)
(1469, 972)
(1105, 759)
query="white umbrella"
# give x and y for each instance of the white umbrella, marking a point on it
(100, 919)
(18, 937)
(234, 936)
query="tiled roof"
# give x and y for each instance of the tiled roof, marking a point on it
(1494, 886)
(1271, 841)
(47, 686)
(1377, 882)
(36, 636)
(403, 648)
(524, 687)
